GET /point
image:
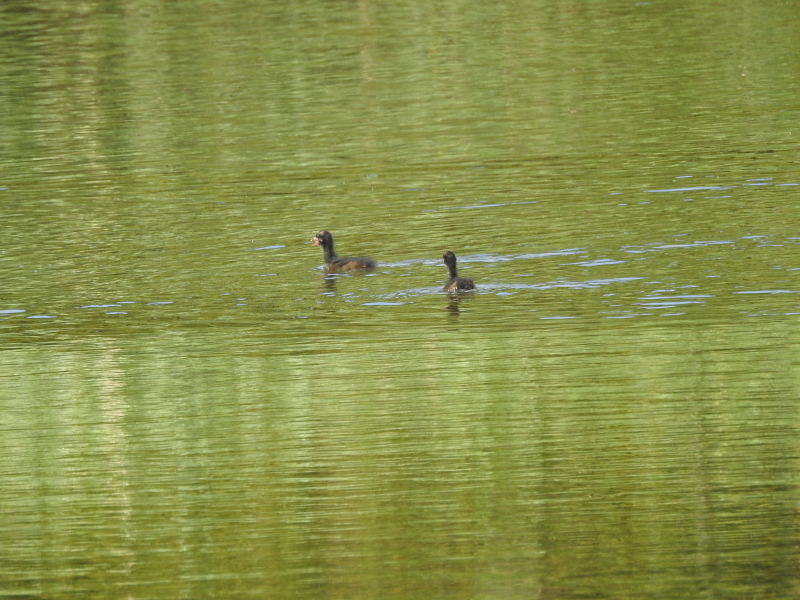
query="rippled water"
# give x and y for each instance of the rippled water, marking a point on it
(193, 409)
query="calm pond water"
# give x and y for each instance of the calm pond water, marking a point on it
(191, 409)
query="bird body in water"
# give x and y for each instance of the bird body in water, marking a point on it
(340, 264)
(455, 283)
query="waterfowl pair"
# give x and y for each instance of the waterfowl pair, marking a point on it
(340, 264)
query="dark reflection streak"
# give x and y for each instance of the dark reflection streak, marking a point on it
(454, 301)
(452, 305)
(329, 284)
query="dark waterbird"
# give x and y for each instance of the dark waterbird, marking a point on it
(455, 283)
(339, 264)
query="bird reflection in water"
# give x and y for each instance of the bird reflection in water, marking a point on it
(454, 303)
(329, 285)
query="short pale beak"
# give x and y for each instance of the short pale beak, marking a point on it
(315, 241)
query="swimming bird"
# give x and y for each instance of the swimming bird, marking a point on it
(338, 264)
(456, 283)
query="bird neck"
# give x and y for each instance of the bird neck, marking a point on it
(330, 254)
(451, 267)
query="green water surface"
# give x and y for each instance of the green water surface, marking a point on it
(190, 408)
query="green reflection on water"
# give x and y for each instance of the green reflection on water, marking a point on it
(587, 458)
